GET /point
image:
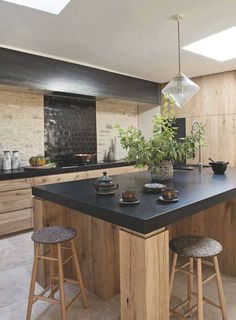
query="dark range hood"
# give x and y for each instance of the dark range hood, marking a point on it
(46, 74)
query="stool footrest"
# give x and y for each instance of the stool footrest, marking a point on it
(38, 297)
(67, 260)
(73, 300)
(208, 301)
(212, 276)
(47, 258)
(67, 280)
(181, 305)
(208, 263)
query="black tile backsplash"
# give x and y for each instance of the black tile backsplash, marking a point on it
(70, 127)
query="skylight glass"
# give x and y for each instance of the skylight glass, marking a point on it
(51, 6)
(220, 46)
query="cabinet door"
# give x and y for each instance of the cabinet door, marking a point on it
(38, 181)
(15, 200)
(14, 184)
(16, 221)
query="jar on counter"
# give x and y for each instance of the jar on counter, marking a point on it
(15, 160)
(6, 160)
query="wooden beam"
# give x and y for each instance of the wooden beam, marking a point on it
(41, 73)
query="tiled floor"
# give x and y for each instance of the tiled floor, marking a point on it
(16, 255)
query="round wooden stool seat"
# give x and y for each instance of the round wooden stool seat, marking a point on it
(50, 235)
(193, 246)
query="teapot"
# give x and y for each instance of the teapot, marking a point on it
(104, 185)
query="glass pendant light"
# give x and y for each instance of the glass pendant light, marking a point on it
(181, 88)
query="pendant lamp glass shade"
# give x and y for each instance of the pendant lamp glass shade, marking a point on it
(181, 89)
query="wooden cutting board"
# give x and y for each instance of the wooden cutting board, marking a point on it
(46, 167)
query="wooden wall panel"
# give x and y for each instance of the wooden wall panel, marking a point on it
(215, 106)
(218, 222)
(97, 247)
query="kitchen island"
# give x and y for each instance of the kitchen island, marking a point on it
(125, 248)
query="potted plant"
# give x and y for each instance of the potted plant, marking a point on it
(162, 149)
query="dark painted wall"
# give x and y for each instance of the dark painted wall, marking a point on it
(36, 72)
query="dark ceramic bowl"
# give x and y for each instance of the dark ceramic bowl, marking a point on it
(219, 167)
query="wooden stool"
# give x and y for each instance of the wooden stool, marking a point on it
(54, 237)
(196, 248)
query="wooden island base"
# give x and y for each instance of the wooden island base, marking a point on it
(115, 260)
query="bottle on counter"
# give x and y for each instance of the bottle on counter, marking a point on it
(6, 160)
(15, 160)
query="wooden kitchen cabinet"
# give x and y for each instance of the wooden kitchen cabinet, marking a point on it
(16, 212)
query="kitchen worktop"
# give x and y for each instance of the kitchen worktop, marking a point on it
(198, 190)
(21, 173)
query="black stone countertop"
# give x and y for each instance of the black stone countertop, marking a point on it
(21, 173)
(198, 190)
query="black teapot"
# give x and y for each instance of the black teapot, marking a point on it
(104, 185)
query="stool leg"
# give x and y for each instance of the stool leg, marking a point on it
(78, 274)
(190, 283)
(172, 272)
(220, 289)
(33, 280)
(52, 273)
(61, 283)
(199, 290)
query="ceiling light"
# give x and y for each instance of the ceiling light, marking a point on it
(220, 46)
(51, 6)
(181, 88)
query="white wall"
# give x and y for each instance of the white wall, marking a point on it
(145, 118)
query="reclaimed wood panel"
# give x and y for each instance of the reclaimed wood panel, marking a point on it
(113, 171)
(14, 184)
(144, 276)
(15, 221)
(218, 222)
(58, 178)
(15, 200)
(215, 106)
(97, 247)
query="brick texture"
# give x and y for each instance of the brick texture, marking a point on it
(22, 124)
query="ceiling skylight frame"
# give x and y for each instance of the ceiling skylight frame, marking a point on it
(220, 46)
(50, 6)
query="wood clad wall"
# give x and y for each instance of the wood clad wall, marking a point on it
(215, 106)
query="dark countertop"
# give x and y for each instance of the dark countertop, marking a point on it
(198, 190)
(21, 173)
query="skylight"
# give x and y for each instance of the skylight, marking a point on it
(220, 46)
(51, 6)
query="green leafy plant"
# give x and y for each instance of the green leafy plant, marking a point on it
(162, 146)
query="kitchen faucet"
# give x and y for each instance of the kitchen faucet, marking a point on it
(197, 125)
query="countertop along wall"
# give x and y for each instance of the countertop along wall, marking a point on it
(214, 106)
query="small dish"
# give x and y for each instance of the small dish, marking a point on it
(169, 200)
(121, 201)
(153, 187)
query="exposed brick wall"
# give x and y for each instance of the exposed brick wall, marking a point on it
(21, 124)
(110, 113)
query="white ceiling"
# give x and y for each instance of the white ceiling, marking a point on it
(134, 37)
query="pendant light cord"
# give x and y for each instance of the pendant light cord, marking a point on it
(179, 45)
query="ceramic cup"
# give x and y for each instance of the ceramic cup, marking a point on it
(129, 196)
(169, 194)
